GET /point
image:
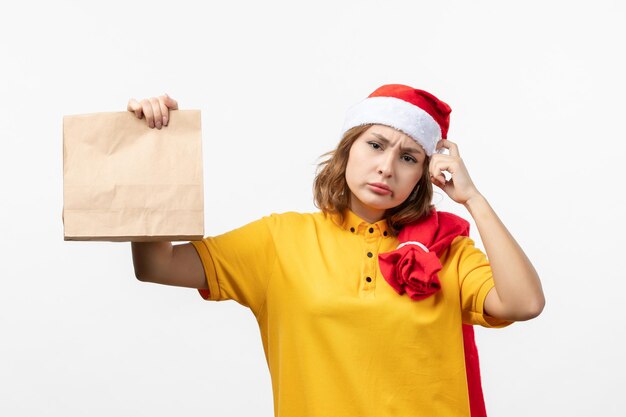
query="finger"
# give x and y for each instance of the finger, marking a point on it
(439, 158)
(134, 106)
(441, 170)
(439, 181)
(170, 102)
(165, 113)
(446, 164)
(432, 169)
(436, 174)
(438, 165)
(156, 110)
(450, 146)
(148, 112)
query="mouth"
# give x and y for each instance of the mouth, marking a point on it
(379, 188)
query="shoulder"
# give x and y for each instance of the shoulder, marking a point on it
(464, 253)
(461, 243)
(304, 224)
(295, 221)
(452, 220)
(281, 222)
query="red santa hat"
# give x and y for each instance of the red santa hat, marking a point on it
(416, 113)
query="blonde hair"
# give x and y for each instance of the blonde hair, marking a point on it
(332, 194)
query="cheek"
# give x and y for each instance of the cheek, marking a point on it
(414, 172)
(349, 167)
(412, 178)
(355, 161)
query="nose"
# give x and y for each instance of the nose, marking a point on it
(385, 164)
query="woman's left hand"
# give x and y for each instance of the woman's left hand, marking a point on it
(459, 187)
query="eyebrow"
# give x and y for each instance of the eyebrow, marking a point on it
(403, 149)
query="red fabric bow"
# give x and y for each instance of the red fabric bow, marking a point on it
(413, 270)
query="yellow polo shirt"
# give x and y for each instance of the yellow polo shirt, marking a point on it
(338, 340)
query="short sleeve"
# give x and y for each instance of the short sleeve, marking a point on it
(238, 264)
(475, 282)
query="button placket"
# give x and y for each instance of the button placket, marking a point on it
(372, 242)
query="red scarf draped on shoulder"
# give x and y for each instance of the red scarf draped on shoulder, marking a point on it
(413, 267)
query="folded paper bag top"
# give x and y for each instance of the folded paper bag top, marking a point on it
(123, 181)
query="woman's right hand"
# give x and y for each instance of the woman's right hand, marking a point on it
(155, 109)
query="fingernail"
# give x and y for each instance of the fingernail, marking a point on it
(164, 121)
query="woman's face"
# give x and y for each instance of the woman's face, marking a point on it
(384, 165)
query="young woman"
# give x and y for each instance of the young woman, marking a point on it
(361, 305)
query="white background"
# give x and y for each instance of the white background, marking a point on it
(537, 91)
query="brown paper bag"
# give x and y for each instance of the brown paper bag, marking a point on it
(123, 181)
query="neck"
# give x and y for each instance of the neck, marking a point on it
(368, 214)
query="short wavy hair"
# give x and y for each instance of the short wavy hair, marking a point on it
(332, 194)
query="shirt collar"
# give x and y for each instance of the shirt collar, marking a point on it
(356, 225)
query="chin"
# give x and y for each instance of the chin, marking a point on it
(374, 201)
(376, 204)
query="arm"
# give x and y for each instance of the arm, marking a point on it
(161, 262)
(164, 263)
(517, 294)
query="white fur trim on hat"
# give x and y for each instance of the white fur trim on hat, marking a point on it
(399, 114)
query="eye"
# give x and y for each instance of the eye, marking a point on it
(375, 145)
(409, 158)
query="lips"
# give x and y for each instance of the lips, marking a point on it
(379, 188)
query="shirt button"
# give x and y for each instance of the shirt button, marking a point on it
(368, 279)
(369, 254)
(371, 230)
(352, 229)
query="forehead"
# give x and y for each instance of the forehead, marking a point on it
(392, 135)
